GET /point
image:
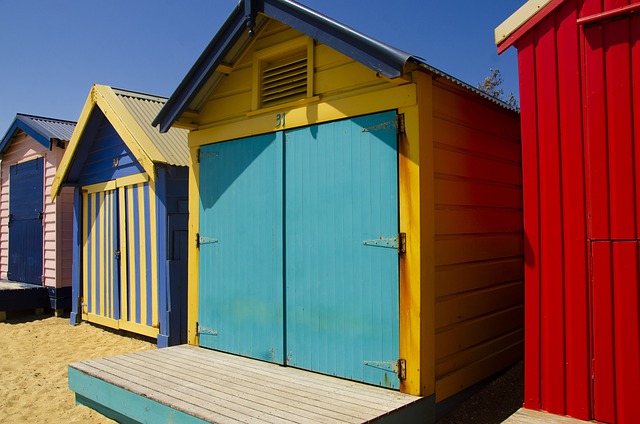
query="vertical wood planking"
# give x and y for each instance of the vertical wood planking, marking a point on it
(602, 310)
(619, 126)
(130, 259)
(574, 213)
(598, 181)
(551, 224)
(141, 255)
(85, 253)
(635, 90)
(530, 160)
(152, 197)
(626, 348)
(123, 245)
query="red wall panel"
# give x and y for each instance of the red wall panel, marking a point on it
(526, 58)
(581, 183)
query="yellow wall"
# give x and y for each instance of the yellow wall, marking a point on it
(448, 288)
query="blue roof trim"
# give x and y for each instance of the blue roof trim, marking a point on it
(203, 68)
(56, 130)
(378, 56)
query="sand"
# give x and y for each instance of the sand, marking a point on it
(34, 353)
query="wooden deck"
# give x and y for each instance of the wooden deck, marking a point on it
(191, 384)
(527, 416)
(17, 296)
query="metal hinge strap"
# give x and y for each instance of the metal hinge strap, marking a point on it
(400, 127)
(205, 330)
(398, 242)
(399, 367)
(200, 240)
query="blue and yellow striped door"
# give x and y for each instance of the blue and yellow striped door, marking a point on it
(138, 272)
(100, 257)
(120, 274)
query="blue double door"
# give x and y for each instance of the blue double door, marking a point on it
(297, 263)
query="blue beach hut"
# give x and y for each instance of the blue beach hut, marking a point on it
(130, 216)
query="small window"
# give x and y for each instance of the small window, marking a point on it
(282, 73)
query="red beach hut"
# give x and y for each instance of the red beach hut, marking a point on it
(579, 64)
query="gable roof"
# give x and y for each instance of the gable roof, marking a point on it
(130, 113)
(249, 16)
(523, 19)
(534, 11)
(233, 37)
(44, 130)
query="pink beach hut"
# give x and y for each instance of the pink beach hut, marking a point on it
(35, 246)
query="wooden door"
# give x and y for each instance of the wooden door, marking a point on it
(25, 221)
(612, 87)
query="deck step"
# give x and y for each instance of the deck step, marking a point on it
(191, 384)
(528, 416)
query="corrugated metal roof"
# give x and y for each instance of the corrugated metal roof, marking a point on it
(223, 48)
(53, 129)
(171, 145)
(44, 130)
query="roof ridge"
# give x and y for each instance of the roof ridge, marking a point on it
(62, 121)
(139, 94)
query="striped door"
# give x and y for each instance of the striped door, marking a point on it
(297, 264)
(138, 257)
(120, 272)
(101, 292)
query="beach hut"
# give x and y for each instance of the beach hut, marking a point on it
(35, 246)
(353, 212)
(130, 216)
(579, 64)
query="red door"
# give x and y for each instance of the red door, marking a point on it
(612, 88)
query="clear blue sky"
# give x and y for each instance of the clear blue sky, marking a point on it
(51, 52)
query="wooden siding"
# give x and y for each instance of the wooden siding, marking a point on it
(471, 146)
(335, 75)
(560, 177)
(56, 254)
(108, 156)
(479, 243)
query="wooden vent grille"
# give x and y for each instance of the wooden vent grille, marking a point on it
(284, 81)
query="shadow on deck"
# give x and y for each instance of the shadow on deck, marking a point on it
(190, 384)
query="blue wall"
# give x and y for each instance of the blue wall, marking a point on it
(102, 155)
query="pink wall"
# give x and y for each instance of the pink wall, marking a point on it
(57, 216)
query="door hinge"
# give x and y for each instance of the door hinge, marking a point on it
(205, 330)
(204, 240)
(400, 128)
(402, 369)
(399, 367)
(204, 155)
(398, 242)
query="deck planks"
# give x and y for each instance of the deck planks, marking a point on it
(528, 416)
(223, 388)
